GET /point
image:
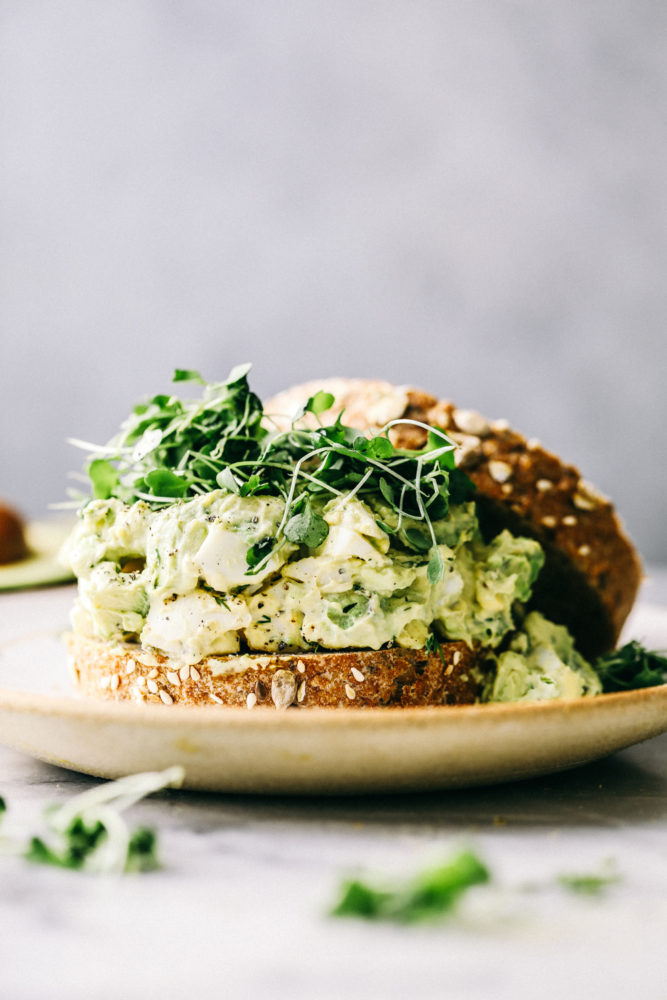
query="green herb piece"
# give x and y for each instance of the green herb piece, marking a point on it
(251, 486)
(3, 805)
(381, 447)
(436, 567)
(587, 885)
(439, 889)
(104, 478)
(306, 528)
(164, 483)
(185, 375)
(432, 894)
(361, 900)
(142, 851)
(446, 460)
(258, 552)
(433, 646)
(631, 666)
(387, 492)
(461, 486)
(416, 540)
(89, 833)
(219, 599)
(320, 402)
(79, 841)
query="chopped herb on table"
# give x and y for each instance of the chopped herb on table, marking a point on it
(430, 895)
(89, 833)
(590, 884)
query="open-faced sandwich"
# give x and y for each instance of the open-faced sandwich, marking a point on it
(351, 544)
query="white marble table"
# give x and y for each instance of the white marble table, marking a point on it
(239, 908)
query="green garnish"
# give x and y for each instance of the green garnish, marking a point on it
(588, 885)
(433, 645)
(431, 894)
(306, 526)
(631, 666)
(169, 449)
(89, 833)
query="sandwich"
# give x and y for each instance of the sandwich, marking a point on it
(349, 544)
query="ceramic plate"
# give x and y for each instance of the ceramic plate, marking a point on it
(42, 567)
(316, 751)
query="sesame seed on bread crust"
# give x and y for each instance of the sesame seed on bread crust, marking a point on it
(349, 679)
(592, 571)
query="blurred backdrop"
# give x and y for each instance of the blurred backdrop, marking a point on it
(468, 196)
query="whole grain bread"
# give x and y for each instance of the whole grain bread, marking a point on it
(351, 679)
(592, 572)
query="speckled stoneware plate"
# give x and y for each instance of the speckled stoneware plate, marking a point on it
(41, 568)
(316, 751)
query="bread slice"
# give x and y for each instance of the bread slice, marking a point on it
(350, 679)
(592, 571)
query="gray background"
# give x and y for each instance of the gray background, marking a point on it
(469, 196)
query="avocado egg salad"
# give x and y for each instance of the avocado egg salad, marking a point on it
(210, 531)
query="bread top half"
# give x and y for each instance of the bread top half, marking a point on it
(592, 571)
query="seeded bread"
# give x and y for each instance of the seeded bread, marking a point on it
(350, 679)
(592, 572)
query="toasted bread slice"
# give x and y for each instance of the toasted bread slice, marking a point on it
(350, 679)
(592, 571)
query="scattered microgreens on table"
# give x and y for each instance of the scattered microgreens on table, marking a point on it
(435, 892)
(169, 450)
(431, 894)
(587, 884)
(89, 833)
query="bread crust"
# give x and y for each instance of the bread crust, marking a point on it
(592, 571)
(349, 679)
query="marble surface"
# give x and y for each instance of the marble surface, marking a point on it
(240, 906)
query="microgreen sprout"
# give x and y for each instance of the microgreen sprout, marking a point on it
(586, 884)
(169, 450)
(431, 894)
(89, 832)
